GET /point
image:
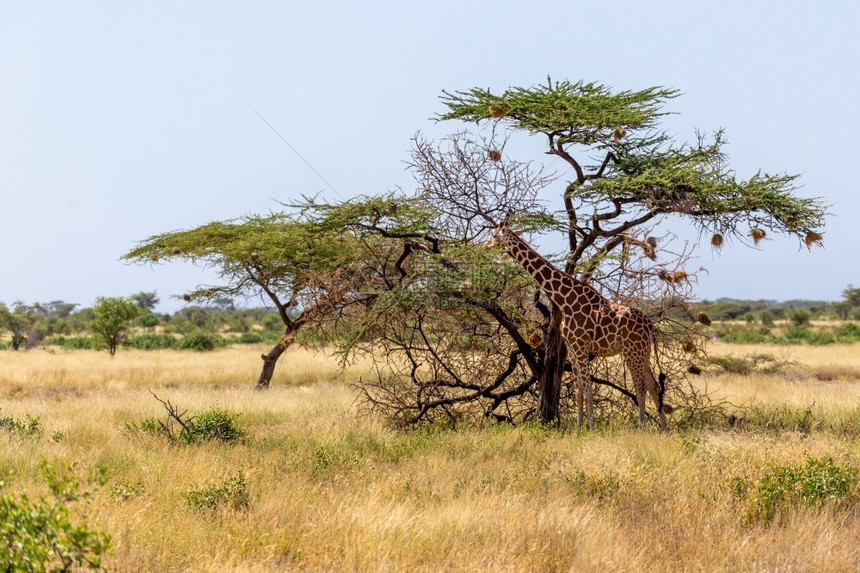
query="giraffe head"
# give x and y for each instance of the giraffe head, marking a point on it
(500, 233)
(497, 239)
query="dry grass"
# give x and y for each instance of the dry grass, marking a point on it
(334, 490)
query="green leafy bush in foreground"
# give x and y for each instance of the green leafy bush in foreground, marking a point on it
(40, 536)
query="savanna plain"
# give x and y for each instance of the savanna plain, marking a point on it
(317, 483)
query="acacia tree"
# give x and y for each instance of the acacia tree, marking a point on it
(274, 257)
(16, 322)
(112, 318)
(463, 335)
(639, 177)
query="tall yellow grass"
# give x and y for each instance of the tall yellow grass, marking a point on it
(333, 489)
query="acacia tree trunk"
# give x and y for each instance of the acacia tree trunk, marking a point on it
(549, 383)
(270, 359)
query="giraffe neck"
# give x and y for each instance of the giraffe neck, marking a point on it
(551, 280)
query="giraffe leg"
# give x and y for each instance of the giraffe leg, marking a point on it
(654, 390)
(582, 382)
(637, 373)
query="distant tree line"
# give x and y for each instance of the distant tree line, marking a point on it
(133, 322)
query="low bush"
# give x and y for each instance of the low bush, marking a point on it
(27, 427)
(147, 320)
(756, 362)
(70, 342)
(232, 492)
(215, 424)
(820, 481)
(250, 338)
(152, 341)
(200, 340)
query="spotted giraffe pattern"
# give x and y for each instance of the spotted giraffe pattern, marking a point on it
(591, 325)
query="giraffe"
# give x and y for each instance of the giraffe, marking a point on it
(591, 325)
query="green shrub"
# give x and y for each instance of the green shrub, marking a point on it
(755, 362)
(215, 424)
(799, 316)
(39, 535)
(250, 338)
(797, 334)
(820, 480)
(200, 340)
(151, 341)
(123, 491)
(231, 492)
(848, 332)
(732, 364)
(27, 427)
(146, 320)
(70, 342)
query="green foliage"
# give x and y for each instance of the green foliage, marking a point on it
(71, 342)
(250, 338)
(744, 365)
(232, 492)
(783, 418)
(643, 166)
(152, 341)
(734, 335)
(145, 300)
(820, 481)
(200, 341)
(148, 425)
(40, 536)
(583, 113)
(124, 491)
(253, 255)
(147, 320)
(848, 333)
(16, 323)
(328, 460)
(799, 317)
(29, 426)
(215, 424)
(112, 319)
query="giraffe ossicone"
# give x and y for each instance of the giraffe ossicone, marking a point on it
(591, 325)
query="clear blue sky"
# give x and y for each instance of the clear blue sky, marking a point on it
(121, 120)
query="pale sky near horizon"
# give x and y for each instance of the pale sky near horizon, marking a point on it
(122, 120)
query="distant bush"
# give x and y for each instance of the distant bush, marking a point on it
(200, 340)
(71, 342)
(152, 341)
(760, 362)
(146, 320)
(250, 338)
(745, 335)
(848, 332)
(799, 316)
